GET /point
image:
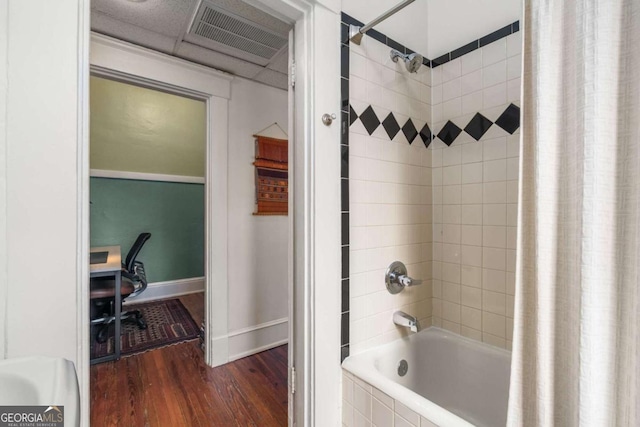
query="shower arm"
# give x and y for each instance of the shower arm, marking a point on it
(356, 32)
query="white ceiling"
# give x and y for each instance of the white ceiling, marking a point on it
(164, 25)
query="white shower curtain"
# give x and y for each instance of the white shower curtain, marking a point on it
(577, 330)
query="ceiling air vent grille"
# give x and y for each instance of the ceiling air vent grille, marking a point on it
(222, 27)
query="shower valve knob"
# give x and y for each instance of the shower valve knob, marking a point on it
(396, 278)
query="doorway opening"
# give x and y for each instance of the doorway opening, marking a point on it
(245, 325)
(147, 188)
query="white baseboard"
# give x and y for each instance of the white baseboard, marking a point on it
(237, 344)
(220, 346)
(169, 289)
(254, 339)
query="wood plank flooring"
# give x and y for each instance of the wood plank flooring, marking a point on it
(173, 386)
(195, 304)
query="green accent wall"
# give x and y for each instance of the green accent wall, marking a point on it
(172, 212)
(136, 129)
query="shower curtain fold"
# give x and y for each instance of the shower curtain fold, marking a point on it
(577, 327)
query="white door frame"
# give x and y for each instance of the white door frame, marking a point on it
(315, 315)
(132, 64)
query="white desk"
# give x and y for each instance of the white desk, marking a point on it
(113, 267)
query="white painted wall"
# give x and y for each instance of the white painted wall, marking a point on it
(42, 106)
(325, 225)
(408, 27)
(3, 172)
(452, 24)
(258, 257)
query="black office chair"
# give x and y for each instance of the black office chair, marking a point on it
(102, 294)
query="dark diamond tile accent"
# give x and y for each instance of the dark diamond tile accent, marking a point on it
(344, 326)
(369, 120)
(440, 60)
(515, 27)
(344, 61)
(391, 125)
(449, 132)
(464, 50)
(478, 126)
(426, 62)
(345, 295)
(344, 163)
(352, 115)
(426, 136)
(510, 119)
(409, 131)
(496, 35)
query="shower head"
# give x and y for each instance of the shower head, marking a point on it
(412, 61)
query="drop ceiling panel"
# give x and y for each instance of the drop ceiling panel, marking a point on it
(168, 17)
(164, 25)
(218, 60)
(104, 24)
(227, 50)
(272, 78)
(280, 63)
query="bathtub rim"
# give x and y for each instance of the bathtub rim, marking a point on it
(362, 366)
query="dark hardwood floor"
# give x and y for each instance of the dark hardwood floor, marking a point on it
(195, 304)
(172, 386)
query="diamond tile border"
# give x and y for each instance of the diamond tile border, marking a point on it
(449, 133)
(391, 125)
(477, 127)
(509, 120)
(409, 130)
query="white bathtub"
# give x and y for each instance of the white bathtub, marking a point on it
(451, 380)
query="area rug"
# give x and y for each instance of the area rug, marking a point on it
(168, 323)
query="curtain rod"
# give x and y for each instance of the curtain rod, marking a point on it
(356, 32)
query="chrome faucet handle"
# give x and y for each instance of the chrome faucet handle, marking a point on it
(407, 281)
(396, 278)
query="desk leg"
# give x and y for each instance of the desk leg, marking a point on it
(118, 302)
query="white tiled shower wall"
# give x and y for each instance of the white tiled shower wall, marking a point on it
(475, 194)
(390, 196)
